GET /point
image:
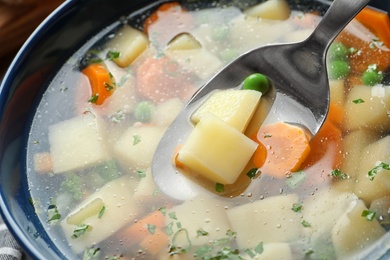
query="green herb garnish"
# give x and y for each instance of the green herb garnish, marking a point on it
(174, 249)
(52, 214)
(252, 173)
(80, 230)
(108, 87)
(338, 174)
(91, 253)
(94, 98)
(101, 212)
(172, 215)
(141, 174)
(201, 233)
(151, 228)
(369, 214)
(136, 139)
(373, 172)
(358, 101)
(219, 187)
(111, 55)
(297, 207)
(305, 223)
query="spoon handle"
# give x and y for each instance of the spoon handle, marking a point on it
(339, 14)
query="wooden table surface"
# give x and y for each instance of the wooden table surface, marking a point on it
(18, 19)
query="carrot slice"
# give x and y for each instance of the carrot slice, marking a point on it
(169, 7)
(144, 227)
(376, 21)
(328, 134)
(154, 243)
(101, 83)
(287, 147)
(336, 113)
(160, 79)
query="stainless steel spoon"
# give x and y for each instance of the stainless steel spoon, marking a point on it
(301, 91)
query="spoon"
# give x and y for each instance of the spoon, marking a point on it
(300, 91)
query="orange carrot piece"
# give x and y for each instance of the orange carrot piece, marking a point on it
(164, 8)
(142, 228)
(329, 133)
(43, 163)
(260, 155)
(376, 21)
(160, 79)
(101, 83)
(336, 113)
(154, 243)
(287, 147)
(354, 80)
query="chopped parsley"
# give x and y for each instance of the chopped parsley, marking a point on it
(338, 174)
(141, 174)
(297, 207)
(373, 172)
(80, 230)
(369, 214)
(219, 187)
(108, 87)
(201, 233)
(305, 223)
(169, 229)
(252, 173)
(52, 214)
(93, 98)
(112, 55)
(151, 228)
(101, 212)
(136, 139)
(91, 253)
(163, 210)
(172, 215)
(174, 249)
(358, 101)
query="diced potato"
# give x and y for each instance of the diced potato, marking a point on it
(201, 62)
(280, 251)
(337, 90)
(353, 145)
(373, 112)
(353, 232)
(235, 107)
(367, 189)
(258, 117)
(250, 32)
(216, 150)
(130, 43)
(381, 207)
(184, 41)
(323, 209)
(145, 187)
(271, 9)
(200, 213)
(269, 221)
(119, 209)
(78, 142)
(135, 148)
(167, 111)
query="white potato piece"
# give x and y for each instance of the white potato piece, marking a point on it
(77, 142)
(119, 209)
(216, 150)
(269, 221)
(323, 209)
(200, 213)
(373, 112)
(167, 111)
(146, 187)
(136, 147)
(337, 90)
(271, 9)
(130, 43)
(250, 32)
(201, 62)
(258, 117)
(235, 107)
(367, 189)
(184, 41)
(279, 251)
(353, 232)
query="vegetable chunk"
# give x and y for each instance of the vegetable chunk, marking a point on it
(216, 150)
(271, 9)
(235, 107)
(76, 143)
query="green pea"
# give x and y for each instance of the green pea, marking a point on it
(338, 69)
(257, 82)
(338, 51)
(372, 77)
(143, 111)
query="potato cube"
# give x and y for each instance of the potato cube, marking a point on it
(130, 43)
(184, 41)
(105, 211)
(136, 147)
(271, 9)
(235, 107)
(216, 150)
(372, 110)
(199, 214)
(337, 90)
(76, 143)
(367, 189)
(354, 232)
(269, 221)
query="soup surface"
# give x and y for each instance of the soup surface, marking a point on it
(97, 126)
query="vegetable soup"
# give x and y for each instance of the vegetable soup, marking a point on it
(272, 192)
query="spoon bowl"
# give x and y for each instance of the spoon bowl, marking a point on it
(299, 94)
